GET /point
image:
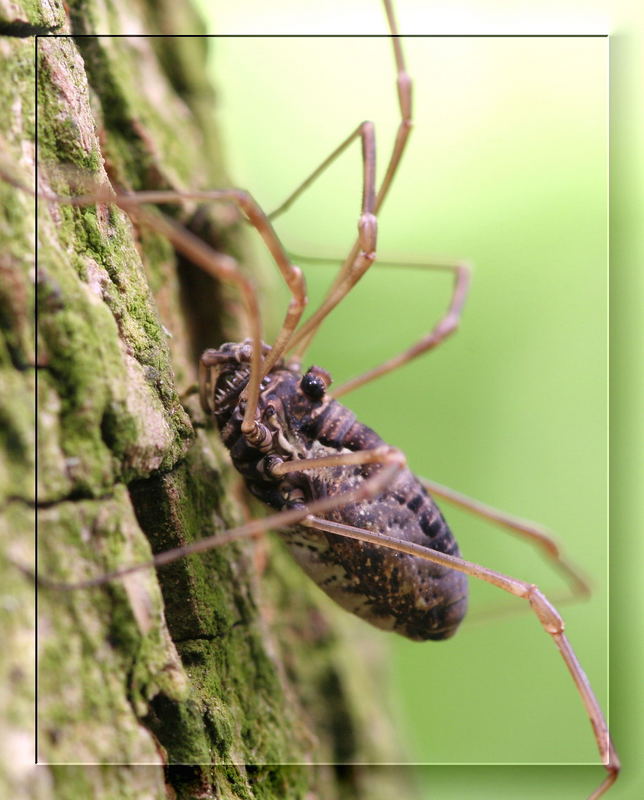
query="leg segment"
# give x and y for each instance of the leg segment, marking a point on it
(548, 616)
(446, 326)
(378, 455)
(363, 253)
(523, 528)
(367, 226)
(219, 266)
(392, 461)
(356, 264)
(366, 132)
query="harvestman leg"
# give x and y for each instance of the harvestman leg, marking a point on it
(364, 253)
(360, 258)
(225, 268)
(220, 266)
(526, 529)
(531, 531)
(367, 224)
(448, 323)
(391, 459)
(392, 462)
(547, 614)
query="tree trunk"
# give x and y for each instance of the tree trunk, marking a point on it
(220, 668)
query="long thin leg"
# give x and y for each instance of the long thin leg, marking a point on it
(523, 528)
(392, 461)
(364, 252)
(219, 266)
(354, 267)
(547, 614)
(364, 130)
(531, 531)
(377, 455)
(446, 325)
(449, 322)
(404, 99)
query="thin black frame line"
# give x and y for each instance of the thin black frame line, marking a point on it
(326, 35)
(37, 37)
(36, 631)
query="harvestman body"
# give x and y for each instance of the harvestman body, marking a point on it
(335, 486)
(301, 422)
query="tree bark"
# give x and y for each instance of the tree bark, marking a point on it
(206, 678)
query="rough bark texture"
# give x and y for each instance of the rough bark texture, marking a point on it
(219, 662)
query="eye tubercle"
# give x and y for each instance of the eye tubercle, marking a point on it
(315, 382)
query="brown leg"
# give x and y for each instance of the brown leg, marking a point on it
(219, 266)
(366, 132)
(364, 252)
(378, 455)
(547, 614)
(392, 461)
(524, 528)
(446, 325)
(355, 264)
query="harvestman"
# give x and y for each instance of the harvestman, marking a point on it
(333, 482)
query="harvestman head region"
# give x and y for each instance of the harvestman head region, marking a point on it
(356, 518)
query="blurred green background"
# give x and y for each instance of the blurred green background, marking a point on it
(507, 166)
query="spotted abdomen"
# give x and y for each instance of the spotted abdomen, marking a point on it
(391, 590)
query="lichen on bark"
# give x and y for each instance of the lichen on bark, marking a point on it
(227, 668)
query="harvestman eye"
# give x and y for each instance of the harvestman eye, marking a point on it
(314, 383)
